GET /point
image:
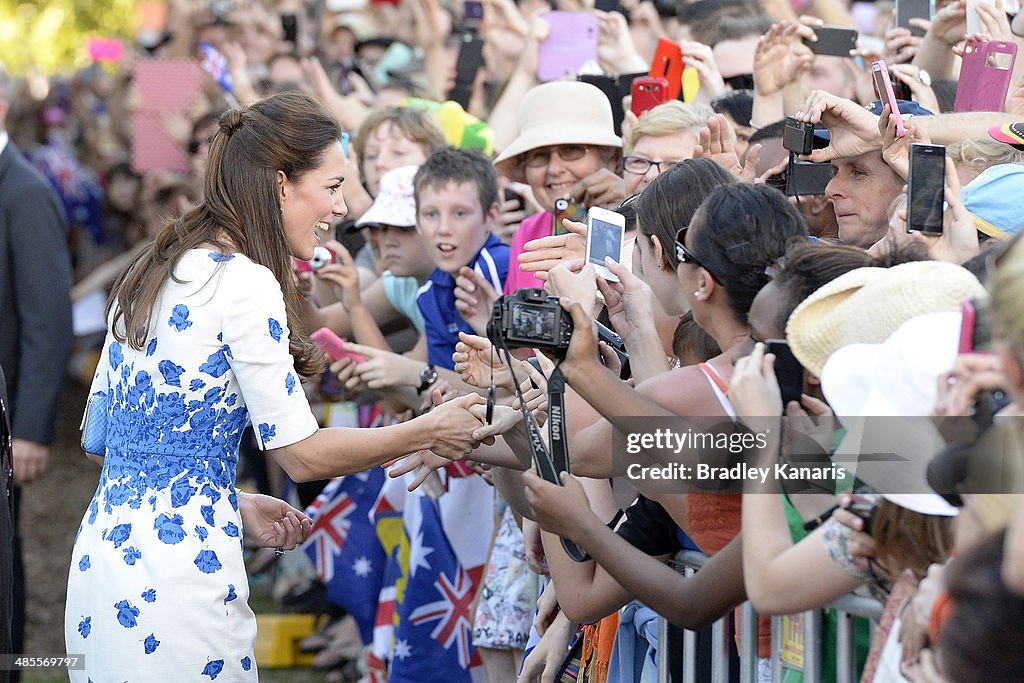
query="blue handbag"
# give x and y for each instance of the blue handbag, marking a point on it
(94, 425)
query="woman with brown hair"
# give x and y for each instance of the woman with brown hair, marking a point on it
(203, 338)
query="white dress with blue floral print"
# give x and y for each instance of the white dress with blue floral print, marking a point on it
(157, 589)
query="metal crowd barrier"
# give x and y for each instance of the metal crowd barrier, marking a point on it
(796, 639)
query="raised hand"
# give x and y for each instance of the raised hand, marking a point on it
(452, 425)
(474, 298)
(542, 254)
(271, 522)
(478, 363)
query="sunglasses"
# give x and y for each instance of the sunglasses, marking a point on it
(536, 158)
(684, 255)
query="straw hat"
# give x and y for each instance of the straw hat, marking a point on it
(559, 113)
(867, 305)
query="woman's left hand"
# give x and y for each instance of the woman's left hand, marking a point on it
(272, 523)
(561, 510)
(754, 391)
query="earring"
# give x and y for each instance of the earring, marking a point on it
(696, 294)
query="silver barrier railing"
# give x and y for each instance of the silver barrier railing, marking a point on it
(796, 639)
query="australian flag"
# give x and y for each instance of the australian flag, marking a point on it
(434, 636)
(343, 545)
(216, 65)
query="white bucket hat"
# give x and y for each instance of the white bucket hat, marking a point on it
(395, 203)
(897, 381)
(559, 113)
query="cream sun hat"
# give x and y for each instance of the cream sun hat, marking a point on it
(558, 113)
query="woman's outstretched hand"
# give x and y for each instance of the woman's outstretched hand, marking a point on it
(272, 523)
(451, 425)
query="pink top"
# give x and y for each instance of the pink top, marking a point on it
(532, 227)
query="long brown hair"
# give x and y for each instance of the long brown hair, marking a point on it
(240, 211)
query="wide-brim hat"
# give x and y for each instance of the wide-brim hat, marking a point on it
(884, 394)
(395, 204)
(867, 305)
(559, 113)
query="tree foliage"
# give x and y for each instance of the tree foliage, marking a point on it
(51, 35)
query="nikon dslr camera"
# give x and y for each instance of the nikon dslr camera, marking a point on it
(530, 318)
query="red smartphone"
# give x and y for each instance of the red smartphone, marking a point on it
(985, 75)
(883, 88)
(333, 345)
(668, 64)
(967, 327)
(647, 93)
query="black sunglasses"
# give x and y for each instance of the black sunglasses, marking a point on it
(684, 255)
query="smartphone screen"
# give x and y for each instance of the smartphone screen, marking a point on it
(605, 232)
(926, 186)
(788, 370)
(835, 41)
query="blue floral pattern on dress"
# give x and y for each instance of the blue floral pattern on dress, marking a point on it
(275, 329)
(171, 372)
(267, 432)
(220, 258)
(179, 318)
(126, 614)
(207, 562)
(165, 512)
(213, 669)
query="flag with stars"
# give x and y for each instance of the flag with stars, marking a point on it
(433, 641)
(343, 545)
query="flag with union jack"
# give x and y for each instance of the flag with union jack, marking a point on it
(216, 65)
(343, 545)
(433, 640)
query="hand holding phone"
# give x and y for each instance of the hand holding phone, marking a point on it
(884, 91)
(605, 233)
(333, 345)
(648, 92)
(788, 370)
(572, 41)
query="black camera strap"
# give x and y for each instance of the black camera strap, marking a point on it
(550, 464)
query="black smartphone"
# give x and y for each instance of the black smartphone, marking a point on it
(609, 85)
(909, 9)
(798, 136)
(900, 89)
(833, 40)
(469, 62)
(806, 178)
(513, 196)
(865, 509)
(788, 370)
(925, 188)
(290, 26)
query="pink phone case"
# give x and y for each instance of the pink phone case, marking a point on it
(571, 42)
(983, 85)
(333, 345)
(880, 74)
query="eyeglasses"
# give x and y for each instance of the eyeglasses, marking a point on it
(640, 165)
(684, 255)
(536, 158)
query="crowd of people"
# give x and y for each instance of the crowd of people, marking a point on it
(428, 148)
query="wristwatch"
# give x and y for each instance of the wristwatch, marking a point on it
(428, 375)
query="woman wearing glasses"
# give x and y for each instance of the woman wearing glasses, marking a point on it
(663, 137)
(566, 149)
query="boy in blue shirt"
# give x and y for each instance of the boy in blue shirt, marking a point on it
(456, 210)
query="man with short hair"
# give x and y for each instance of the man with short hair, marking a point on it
(35, 321)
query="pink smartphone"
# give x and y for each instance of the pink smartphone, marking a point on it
(883, 88)
(333, 345)
(985, 75)
(571, 42)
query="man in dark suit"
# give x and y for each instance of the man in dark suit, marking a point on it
(35, 321)
(6, 527)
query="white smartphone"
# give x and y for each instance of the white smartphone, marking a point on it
(605, 233)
